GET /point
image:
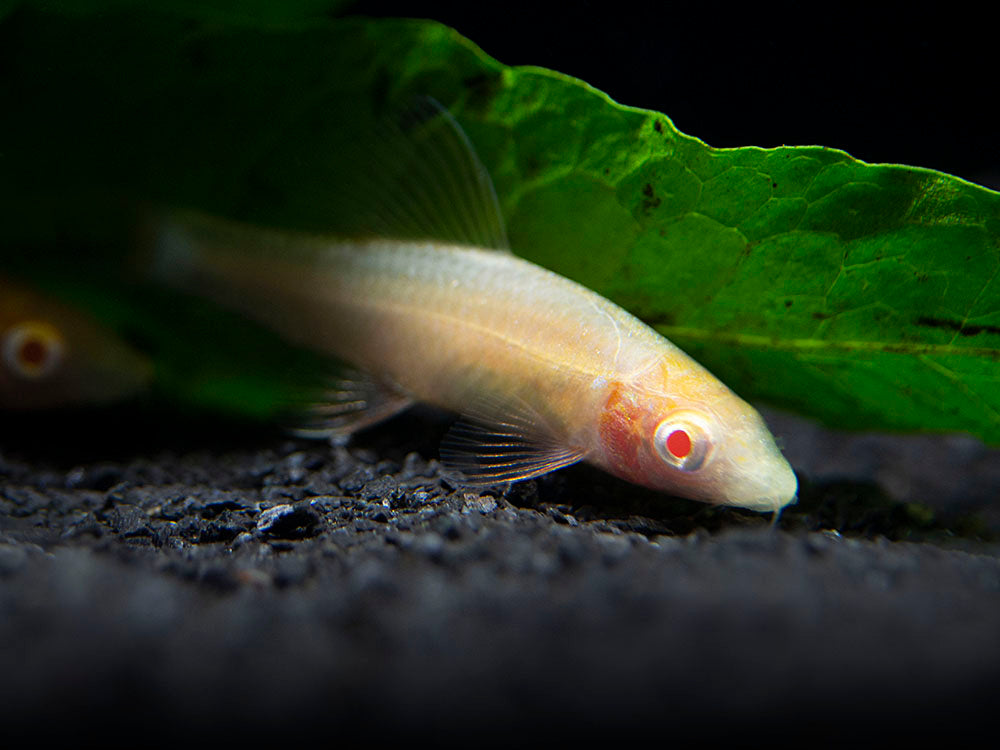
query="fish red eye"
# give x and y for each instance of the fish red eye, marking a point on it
(32, 349)
(682, 440)
(679, 443)
(33, 352)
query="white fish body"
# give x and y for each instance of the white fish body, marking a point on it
(546, 371)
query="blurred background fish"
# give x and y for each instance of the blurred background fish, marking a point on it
(53, 354)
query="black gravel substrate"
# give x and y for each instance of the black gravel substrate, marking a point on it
(258, 588)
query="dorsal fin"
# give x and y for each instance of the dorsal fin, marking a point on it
(424, 181)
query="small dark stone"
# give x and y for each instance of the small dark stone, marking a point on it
(270, 516)
(297, 521)
(128, 520)
(414, 465)
(357, 479)
(561, 516)
(379, 488)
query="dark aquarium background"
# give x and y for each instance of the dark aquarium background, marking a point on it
(899, 83)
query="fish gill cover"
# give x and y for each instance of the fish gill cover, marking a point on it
(866, 295)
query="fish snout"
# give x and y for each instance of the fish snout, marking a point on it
(767, 489)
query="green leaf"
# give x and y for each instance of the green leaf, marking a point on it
(866, 295)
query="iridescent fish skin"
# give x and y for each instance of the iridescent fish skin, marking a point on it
(545, 371)
(54, 355)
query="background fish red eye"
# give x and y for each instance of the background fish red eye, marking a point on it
(682, 441)
(32, 349)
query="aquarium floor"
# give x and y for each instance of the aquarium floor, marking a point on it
(260, 588)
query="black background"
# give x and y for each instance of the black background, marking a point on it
(910, 84)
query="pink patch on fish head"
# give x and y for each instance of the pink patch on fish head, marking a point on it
(619, 429)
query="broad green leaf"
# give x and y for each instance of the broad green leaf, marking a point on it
(866, 295)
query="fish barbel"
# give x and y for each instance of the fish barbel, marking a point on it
(544, 371)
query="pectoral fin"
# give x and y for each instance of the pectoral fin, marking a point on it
(503, 442)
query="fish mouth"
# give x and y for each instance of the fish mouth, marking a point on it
(768, 504)
(772, 497)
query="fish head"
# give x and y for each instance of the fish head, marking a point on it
(54, 355)
(702, 442)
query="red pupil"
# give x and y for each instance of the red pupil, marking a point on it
(679, 443)
(33, 353)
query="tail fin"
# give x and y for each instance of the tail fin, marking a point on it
(199, 254)
(170, 249)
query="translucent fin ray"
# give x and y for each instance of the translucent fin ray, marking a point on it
(499, 442)
(423, 181)
(352, 401)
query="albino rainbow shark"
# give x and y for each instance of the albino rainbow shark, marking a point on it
(432, 306)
